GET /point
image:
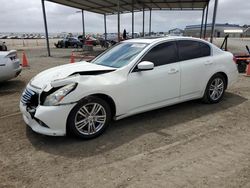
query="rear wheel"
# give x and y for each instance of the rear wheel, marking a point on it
(215, 89)
(242, 66)
(89, 118)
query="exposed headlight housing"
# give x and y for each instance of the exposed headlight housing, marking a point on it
(58, 95)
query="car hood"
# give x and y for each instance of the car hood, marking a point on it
(60, 72)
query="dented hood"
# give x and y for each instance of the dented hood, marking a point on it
(60, 72)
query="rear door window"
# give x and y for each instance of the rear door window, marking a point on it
(192, 49)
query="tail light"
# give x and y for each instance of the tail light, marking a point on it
(13, 56)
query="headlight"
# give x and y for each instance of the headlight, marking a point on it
(57, 96)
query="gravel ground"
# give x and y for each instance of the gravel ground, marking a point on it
(185, 145)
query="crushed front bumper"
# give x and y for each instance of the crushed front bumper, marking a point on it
(47, 120)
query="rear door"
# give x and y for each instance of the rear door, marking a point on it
(195, 63)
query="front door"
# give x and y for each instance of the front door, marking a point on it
(162, 84)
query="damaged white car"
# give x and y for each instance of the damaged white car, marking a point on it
(132, 77)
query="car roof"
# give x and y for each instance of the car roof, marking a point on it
(151, 40)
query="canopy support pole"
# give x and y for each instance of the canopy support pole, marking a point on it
(118, 20)
(150, 16)
(143, 20)
(214, 20)
(105, 28)
(46, 28)
(205, 29)
(133, 24)
(83, 26)
(202, 22)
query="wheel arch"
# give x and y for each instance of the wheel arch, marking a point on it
(102, 96)
(218, 72)
(108, 99)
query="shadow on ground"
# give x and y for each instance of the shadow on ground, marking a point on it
(123, 131)
(11, 86)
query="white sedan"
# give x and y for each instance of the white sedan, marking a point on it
(134, 76)
(9, 65)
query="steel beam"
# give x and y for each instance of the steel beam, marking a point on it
(205, 29)
(143, 21)
(46, 27)
(105, 27)
(202, 22)
(150, 16)
(83, 25)
(118, 20)
(214, 20)
(133, 19)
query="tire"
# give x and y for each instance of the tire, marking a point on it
(75, 46)
(85, 124)
(241, 67)
(214, 94)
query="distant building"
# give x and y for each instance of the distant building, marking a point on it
(176, 32)
(194, 30)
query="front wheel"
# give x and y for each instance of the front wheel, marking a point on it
(89, 118)
(215, 89)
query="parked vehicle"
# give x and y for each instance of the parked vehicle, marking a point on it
(3, 36)
(241, 59)
(9, 65)
(89, 40)
(3, 46)
(69, 42)
(134, 76)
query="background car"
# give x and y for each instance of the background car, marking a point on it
(3, 46)
(9, 65)
(134, 76)
(89, 40)
(69, 42)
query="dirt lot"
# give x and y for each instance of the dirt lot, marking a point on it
(186, 145)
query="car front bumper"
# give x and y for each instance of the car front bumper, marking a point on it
(47, 120)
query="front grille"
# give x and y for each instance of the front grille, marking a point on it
(29, 98)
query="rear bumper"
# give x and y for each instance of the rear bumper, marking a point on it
(232, 78)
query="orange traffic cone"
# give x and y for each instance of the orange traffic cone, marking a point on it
(25, 61)
(72, 58)
(248, 70)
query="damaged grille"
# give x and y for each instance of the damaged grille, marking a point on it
(29, 98)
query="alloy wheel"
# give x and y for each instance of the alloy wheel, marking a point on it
(90, 118)
(216, 89)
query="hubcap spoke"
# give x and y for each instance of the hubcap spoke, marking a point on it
(96, 108)
(84, 111)
(81, 124)
(216, 89)
(100, 119)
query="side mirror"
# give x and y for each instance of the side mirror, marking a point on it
(145, 65)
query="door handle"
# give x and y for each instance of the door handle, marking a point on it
(208, 63)
(173, 71)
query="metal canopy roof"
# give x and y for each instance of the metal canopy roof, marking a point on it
(110, 6)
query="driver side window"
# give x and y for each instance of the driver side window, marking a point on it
(162, 54)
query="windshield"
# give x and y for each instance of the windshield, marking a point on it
(120, 55)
